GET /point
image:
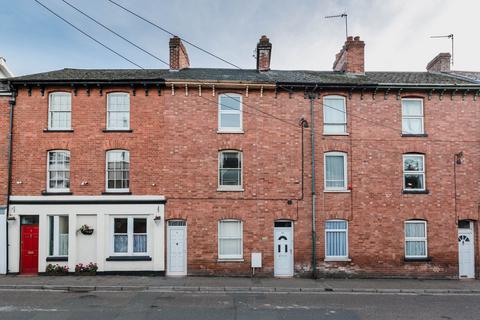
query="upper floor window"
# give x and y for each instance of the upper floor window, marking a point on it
(414, 172)
(230, 113)
(334, 115)
(59, 111)
(118, 111)
(58, 171)
(415, 239)
(335, 171)
(412, 116)
(58, 236)
(230, 170)
(230, 239)
(336, 239)
(118, 171)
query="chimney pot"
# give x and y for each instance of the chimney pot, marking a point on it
(441, 63)
(264, 53)
(178, 54)
(351, 58)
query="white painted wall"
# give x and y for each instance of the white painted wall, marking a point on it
(96, 247)
(3, 241)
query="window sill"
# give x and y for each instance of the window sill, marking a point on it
(335, 259)
(337, 191)
(56, 259)
(425, 259)
(230, 190)
(336, 134)
(231, 260)
(415, 191)
(129, 258)
(53, 193)
(413, 135)
(118, 130)
(230, 131)
(110, 193)
(57, 130)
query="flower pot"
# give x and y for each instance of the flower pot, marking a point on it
(87, 232)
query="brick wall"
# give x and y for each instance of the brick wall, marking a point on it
(173, 152)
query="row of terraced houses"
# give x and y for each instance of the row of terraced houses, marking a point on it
(229, 171)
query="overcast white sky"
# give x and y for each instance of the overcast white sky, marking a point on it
(396, 32)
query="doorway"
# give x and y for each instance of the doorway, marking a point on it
(29, 245)
(283, 249)
(466, 250)
(177, 248)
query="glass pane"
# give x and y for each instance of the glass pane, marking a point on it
(230, 120)
(334, 171)
(337, 244)
(120, 225)
(230, 229)
(414, 181)
(412, 125)
(413, 163)
(120, 243)
(51, 235)
(230, 102)
(334, 128)
(230, 177)
(415, 230)
(63, 245)
(230, 247)
(334, 110)
(140, 243)
(139, 225)
(415, 248)
(336, 225)
(230, 160)
(412, 108)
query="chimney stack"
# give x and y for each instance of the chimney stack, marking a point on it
(264, 54)
(178, 55)
(441, 63)
(351, 58)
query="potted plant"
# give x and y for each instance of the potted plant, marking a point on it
(86, 229)
(86, 270)
(56, 270)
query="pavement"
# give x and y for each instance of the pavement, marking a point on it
(103, 283)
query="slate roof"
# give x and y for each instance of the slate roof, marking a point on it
(470, 75)
(248, 75)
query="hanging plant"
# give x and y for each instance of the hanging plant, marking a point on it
(86, 229)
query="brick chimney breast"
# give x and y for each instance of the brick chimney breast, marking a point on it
(178, 55)
(264, 54)
(351, 58)
(441, 63)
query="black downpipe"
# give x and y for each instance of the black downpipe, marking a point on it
(9, 183)
(312, 97)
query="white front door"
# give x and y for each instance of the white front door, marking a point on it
(466, 250)
(283, 249)
(177, 248)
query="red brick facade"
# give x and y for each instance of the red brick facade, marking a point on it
(174, 147)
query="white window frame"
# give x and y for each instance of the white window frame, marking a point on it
(220, 237)
(345, 172)
(422, 117)
(106, 172)
(109, 127)
(59, 190)
(326, 107)
(424, 239)
(422, 173)
(336, 258)
(130, 234)
(50, 111)
(220, 112)
(221, 187)
(56, 233)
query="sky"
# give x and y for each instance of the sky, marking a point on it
(396, 33)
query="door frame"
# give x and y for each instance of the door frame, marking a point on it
(292, 239)
(185, 258)
(473, 236)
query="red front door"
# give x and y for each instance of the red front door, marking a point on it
(29, 249)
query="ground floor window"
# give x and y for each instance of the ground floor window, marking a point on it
(129, 235)
(58, 236)
(230, 239)
(336, 239)
(415, 239)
